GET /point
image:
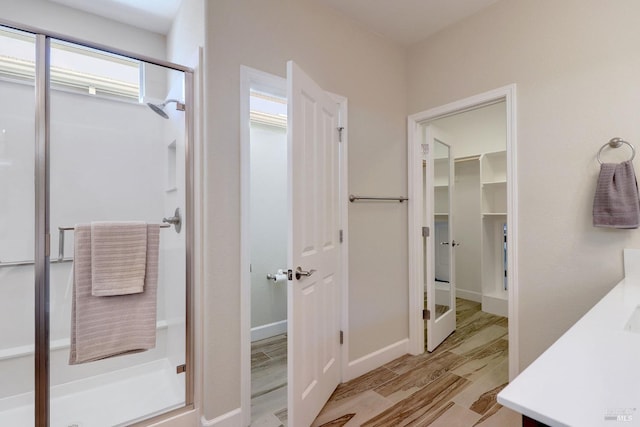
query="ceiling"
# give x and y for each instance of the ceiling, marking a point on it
(403, 21)
(152, 15)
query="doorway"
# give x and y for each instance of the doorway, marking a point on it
(292, 275)
(268, 241)
(477, 240)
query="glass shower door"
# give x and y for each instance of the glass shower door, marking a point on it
(17, 194)
(113, 159)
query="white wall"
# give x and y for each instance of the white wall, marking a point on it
(466, 228)
(55, 17)
(474, 132)
(348, 61)
(268, 213)
(576, 66)
(187, 33)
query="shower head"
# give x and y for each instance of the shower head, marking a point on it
(159, 108)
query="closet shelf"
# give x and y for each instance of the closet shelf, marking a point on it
(494, 183)
(494, 214)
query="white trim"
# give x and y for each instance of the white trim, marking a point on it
(376, 359)
(495, 305)
(344, 226)
(269, 330)
(230, 419)
(416, 292)
(469, 295)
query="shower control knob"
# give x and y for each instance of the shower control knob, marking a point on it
(175, 220)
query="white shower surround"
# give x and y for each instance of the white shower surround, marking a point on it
(113, 170)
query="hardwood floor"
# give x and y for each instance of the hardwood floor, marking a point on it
(455, 386)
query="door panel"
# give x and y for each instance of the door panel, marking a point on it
(439, 259)
(313, 300)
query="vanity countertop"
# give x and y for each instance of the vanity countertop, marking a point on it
(591, 375)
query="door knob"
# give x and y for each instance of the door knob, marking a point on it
(301, 273)
(454, 244)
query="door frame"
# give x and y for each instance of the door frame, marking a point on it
(253, 78)
(416, 286)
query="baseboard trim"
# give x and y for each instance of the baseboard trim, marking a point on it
(230, 419)
(376, 359)
(269, 330)
(495, 305)
(469, 295)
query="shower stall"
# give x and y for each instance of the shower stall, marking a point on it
(78, 144)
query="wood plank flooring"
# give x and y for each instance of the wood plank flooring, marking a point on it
(269, 382)
(455, 386)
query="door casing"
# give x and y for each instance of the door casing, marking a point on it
(414, 167)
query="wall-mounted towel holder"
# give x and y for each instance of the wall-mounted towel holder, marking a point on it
(616, 143)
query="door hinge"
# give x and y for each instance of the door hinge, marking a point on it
(181, 369)
(425, 231)
(340, 129)
(426, 315)
(47, 244)
(289, 274)
(341, 235)
(341, 337)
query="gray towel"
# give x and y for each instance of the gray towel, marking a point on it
(616, 203)
(118, 258)
(103, 327)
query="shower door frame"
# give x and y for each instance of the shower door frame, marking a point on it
(42, 214)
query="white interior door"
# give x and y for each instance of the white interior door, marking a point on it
(438, 215)
(314, 247)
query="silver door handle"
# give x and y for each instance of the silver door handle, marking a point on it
(444, 243)
(300, 273)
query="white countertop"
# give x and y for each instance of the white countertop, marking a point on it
(592, 371)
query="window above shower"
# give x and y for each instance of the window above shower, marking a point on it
(78, 69)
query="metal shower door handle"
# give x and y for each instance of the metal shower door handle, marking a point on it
(301, 273)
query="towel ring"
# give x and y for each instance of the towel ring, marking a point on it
(615, 143)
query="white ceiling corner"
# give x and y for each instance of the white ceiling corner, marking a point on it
(407, 21)
(152, 15)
